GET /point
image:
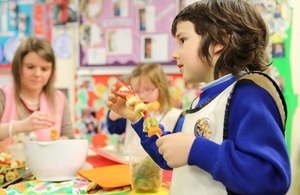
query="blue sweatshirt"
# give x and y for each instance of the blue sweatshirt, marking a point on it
(254, 158)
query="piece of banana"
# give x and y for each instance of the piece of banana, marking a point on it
(131, 101)
(140, 108)
(9, 176)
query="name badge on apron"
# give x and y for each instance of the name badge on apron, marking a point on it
(203, 128)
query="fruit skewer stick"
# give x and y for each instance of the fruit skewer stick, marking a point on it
(133, 102)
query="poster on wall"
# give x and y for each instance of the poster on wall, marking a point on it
(20, 19)
(278, 17)
(14, 25)
(126, 32)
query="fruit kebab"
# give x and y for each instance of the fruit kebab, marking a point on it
(134, 103)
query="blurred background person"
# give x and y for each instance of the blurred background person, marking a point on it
(31, 106)
(150, 83)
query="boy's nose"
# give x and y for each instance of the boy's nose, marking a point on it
(175, 56)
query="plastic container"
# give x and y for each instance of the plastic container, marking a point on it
(146, 175)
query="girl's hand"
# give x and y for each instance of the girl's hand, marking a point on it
(38, 120)
(175, 148)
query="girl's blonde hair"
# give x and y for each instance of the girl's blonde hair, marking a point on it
(43, 48)
(155, 73)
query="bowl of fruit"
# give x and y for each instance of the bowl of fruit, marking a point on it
(57, 160)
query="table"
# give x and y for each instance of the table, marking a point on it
(78, 185)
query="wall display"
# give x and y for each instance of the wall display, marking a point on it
(10, 47)
(20, 19)
(62, 45)
(42, 22)
(64, 12)
(278, 16)
(1, 53)
(282, 63)
(126, 32)
(15, 18)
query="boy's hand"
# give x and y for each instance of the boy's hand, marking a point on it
(175, 148)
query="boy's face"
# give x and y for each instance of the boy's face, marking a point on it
(194, 70)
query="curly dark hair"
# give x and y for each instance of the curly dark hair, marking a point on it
(237, 25)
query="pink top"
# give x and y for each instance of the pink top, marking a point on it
(10, 113)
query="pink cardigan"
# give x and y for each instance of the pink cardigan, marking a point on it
(10, 113)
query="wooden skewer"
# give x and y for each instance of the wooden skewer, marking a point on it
(142, 114)
(157, 134)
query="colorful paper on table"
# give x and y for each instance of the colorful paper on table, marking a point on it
(78, 185)
(116, 191)
(108, 177)
(100, 161)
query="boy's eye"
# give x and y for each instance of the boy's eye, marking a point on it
(182, 40)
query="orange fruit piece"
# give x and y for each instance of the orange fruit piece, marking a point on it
(154, 131)
(54, 134)
(153, 106)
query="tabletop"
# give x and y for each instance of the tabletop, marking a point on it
(80, 185)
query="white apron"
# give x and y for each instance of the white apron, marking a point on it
(189, 180)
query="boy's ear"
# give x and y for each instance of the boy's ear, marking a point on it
(218, 48)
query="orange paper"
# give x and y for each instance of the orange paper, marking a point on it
(108, 177)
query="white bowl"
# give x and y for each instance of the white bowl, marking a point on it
(55, 160)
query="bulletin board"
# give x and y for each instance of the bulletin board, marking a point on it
(21, 19)
(278, 15)
(126, 32)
